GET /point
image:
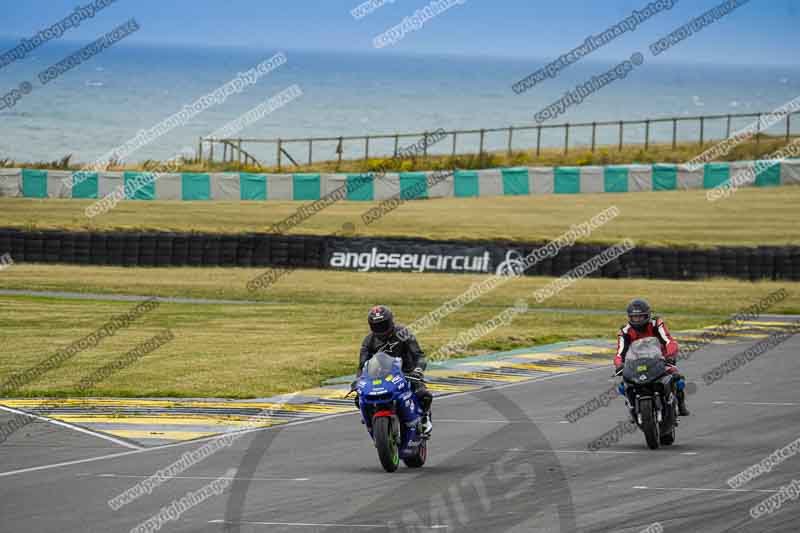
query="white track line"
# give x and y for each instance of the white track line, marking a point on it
(622, 452)
(201, 477)
(270, 428)
(644, 487)
(73, 427)
(158, 448)
(755, 403)
(489, 421)
(304, 524)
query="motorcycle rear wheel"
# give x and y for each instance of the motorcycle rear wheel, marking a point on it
(667, 439)
(418, 460)
(649, 424)
(386, 443)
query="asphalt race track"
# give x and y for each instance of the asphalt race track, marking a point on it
(500, 460)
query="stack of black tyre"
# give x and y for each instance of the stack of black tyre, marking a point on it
(165, 249)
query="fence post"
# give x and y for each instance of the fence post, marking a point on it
(538, 140)
(620, 135)
(396, 144)
(728, 127)
(239, 149)
(224, 152)
(210, 151)
(646, 134)
(200, 151)
(310, 151)
(758, 130)
(510, 137)
(566, 138)
(594, 135)
(425, 145)
(366, 148)
(674, 133)
(702, 130)
(454, 143)
(788, 126)
(480, 153)
(339, 150)
(280, 149)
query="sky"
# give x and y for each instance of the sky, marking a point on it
(759, 32)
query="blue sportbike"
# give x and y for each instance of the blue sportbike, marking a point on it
(391, 412)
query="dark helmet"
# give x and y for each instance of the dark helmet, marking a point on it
(638, 314)
(381, 321)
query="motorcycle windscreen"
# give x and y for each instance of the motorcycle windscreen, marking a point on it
(646, 348)
(644, 361)
(380, 365)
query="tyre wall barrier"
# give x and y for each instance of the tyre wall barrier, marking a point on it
(396, 254)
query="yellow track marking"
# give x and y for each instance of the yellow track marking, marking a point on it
(325, 394)
(446, 387)
(701, 339)
(544, 368)
(167, 435)
(167, 420)
(565, 357)
(523, 366)
(588, 349)
(495, 377)
(170, 404)
(762, 323)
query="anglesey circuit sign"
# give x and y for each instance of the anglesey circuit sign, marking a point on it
(419, 255)
(378, 259)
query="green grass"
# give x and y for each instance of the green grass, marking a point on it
(311, 328)
(576, 156)
(751, 217)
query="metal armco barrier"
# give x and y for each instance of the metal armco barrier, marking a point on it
(396, 254)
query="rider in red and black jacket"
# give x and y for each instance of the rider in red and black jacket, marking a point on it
(641, 324)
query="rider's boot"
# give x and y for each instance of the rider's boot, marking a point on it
(425, 424)
(682, 410)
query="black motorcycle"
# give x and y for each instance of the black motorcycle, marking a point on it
(650, 392)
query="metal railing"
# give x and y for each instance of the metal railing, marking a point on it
(231, 149)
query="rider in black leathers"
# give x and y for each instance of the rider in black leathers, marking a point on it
(395, 340)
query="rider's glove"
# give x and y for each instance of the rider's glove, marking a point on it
(416, 374)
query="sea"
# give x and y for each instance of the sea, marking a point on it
(105, 101)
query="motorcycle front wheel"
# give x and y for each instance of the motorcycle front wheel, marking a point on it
(649, 423)
(386, 443)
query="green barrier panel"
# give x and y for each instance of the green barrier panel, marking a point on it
(413, 185)
(615, 179)
(769, 177)
(360, 187)
(84, 185)
(252, 186)
(715, 174)
(195, 186)
(567, 180)
(305, 187)
(466, 183)
(515, 181)
(665, 177)
(34, 183)
(133, 188)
